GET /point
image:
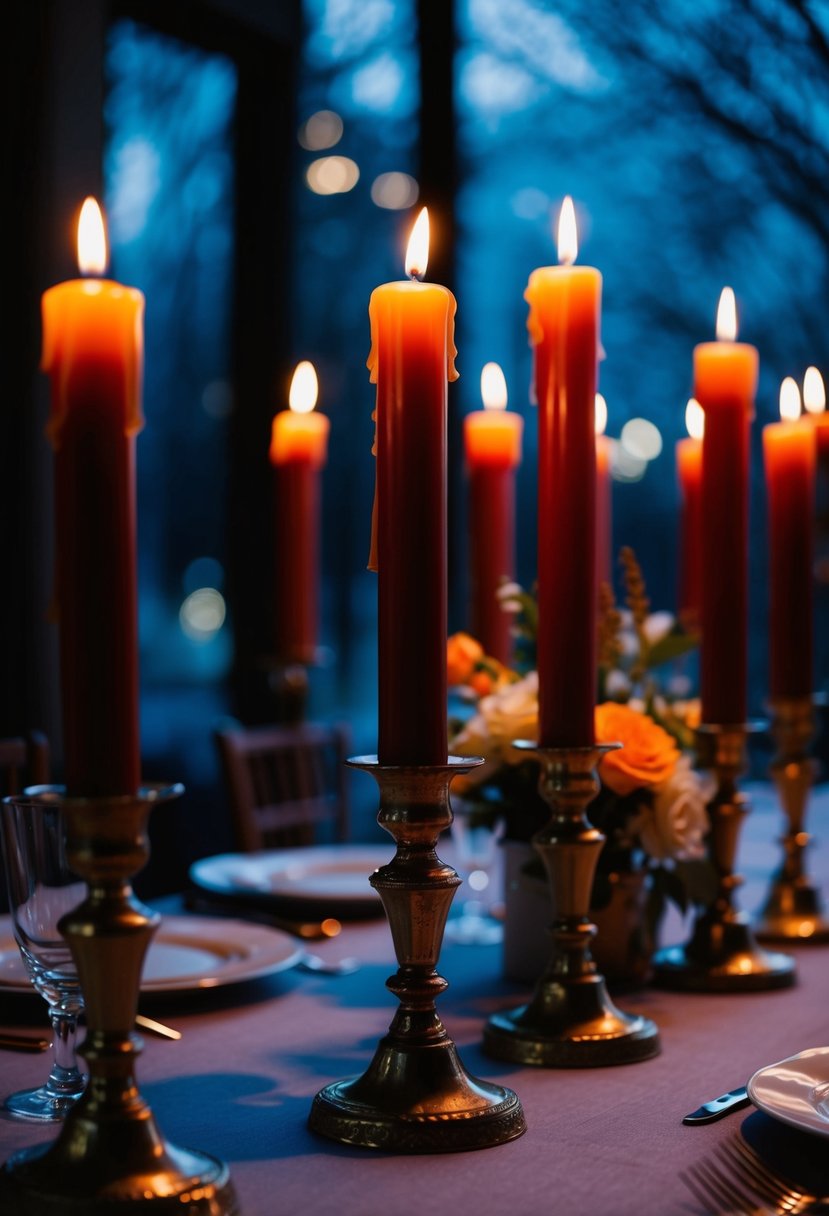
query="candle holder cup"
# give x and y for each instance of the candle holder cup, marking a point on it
(722, 954)
(571, 1021)
(416, 1096)
(793, 911)
(110, 1157)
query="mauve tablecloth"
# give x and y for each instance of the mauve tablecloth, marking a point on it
(604, 1142)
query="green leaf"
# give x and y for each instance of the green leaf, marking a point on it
(672, 646)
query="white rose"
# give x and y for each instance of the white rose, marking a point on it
(677, 822)
(508, 714)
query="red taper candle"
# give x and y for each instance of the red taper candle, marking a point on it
(299, 448)
(411, 361)
(93, 353)
(564, 331)
(492, 439)
(689, 477)
(604, 497)
(789, 457)
(725, 384)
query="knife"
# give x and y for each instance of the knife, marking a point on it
(709, 1112)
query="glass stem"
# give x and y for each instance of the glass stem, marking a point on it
(64, 1077)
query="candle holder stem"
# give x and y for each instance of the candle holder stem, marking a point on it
(722, 955)
(793, 911)
(110, 1157)
(571, 1021)
(416, 1096)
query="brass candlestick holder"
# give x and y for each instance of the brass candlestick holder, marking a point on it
(416, 1096)
(722, 955)
(793, 911)
(110, 1157)
(571, 1021)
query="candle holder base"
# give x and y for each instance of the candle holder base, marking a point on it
(793, 914)
(793, 911)
(722, 955)
(182, 1182)
(568, 1027)
(110, 1157)
(416, 1096)
(571, 1021)
(417, 1100)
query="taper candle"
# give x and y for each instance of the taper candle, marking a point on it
(725, 383)
(604, 497)
(412, 359)
(564, 330)
(93, 353)
(689, 476)
(299, 449)
(789, 456)
(492, 439)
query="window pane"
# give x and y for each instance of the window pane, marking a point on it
(358, 106)
(690, 139)
(169, 195)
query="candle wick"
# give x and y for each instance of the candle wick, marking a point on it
(416, 276)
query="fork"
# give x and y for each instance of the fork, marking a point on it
(743, 1185)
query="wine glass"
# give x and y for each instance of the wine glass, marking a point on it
(41, 889)
(476, 830)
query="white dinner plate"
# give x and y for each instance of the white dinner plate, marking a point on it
(796, 1090)
(333, 876)
(187, 953)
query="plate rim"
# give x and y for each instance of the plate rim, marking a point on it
(368, 898)
(819, 1124)
(257, 968)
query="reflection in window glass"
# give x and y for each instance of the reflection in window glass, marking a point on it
(690, 146)
(169, 189)
(357, 115)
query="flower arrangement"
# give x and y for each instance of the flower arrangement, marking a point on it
(651, 806)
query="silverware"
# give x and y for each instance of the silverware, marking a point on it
(309, 930)
(321, 966)
(709, 1112)
(158, 1028)
(11, 1041)
(740, 1183)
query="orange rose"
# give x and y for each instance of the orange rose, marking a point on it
(481, 682)
(462, 653)
(648, 755)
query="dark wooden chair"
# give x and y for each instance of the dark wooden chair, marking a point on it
(285, 783)
(23, 762)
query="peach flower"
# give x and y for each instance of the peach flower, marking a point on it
(648, 756)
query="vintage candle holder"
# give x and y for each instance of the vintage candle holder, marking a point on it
(571, 1021)
(416, 1096)
(722, 955)
(793, 911)
(110, 1157)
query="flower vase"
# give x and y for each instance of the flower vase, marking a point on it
(623, 944)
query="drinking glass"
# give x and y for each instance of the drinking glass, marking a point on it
(476, 831)
(41, 889)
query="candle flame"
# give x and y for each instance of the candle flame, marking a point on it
(92, 242)
(600, 414)
(727, 316)
(493, 387)
(304, 388)
(568, 239)
(417, 252)
(789, 400)
(814, 392)
(695, 418)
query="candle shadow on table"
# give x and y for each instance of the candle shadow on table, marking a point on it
(236, 1116)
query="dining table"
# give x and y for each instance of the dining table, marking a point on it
(599, 1142)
